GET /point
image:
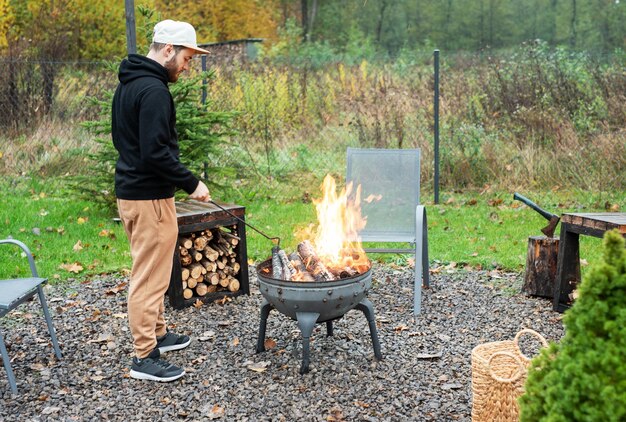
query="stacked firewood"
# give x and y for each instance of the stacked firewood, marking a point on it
(208, 262)
(305, 265)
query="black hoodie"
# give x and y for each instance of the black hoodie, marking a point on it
(144, 134)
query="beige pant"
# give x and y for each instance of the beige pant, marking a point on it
(152, 230)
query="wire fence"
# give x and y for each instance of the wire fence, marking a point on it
(43, 105)
(295, 120)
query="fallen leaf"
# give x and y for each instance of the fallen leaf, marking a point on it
(120, 315)
(102, 338)
(429, 355)
(72, 268)
(400, 328)
(215, 412)
(115, 290)
(235, 342)
(336, 415)
(97, 378)
(107, 233)
(198, 304)
(269, 343)
(81, 220)
(199, 360)
(37, 367)
(94, 316)
(207, 335)
(258, 366)
(451, 386)
(78, 246)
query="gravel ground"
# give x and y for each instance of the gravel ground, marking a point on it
(425, 374)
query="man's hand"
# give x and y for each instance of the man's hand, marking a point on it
(201, 193)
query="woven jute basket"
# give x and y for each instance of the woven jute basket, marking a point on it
(499, 371)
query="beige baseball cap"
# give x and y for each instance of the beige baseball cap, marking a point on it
(176, 33)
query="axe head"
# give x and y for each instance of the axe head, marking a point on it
(549, 229)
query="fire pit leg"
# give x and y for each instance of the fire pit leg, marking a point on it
(329, 328)
(366, 307)
(265, 311)
(306, 322)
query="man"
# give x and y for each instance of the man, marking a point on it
(147, 174)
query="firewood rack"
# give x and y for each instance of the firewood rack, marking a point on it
(194, 217)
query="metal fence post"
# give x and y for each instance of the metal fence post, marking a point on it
(131, 36)
(204, 81)
(436, 126)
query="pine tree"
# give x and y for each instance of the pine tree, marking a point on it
(583, 378)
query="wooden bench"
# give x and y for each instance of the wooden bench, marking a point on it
(568, 267)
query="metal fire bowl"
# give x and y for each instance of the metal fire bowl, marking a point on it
(330, 299)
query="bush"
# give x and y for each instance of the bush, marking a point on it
(584, 377)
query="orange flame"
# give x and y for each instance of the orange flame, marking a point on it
(337, 241)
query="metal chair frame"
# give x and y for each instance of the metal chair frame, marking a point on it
(417, 236)
(14, 292)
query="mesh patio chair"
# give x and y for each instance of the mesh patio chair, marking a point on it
(14, 292)
(393, 176)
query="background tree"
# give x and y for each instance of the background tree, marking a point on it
(221, 20)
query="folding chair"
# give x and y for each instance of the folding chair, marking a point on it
(15, 291)
(392, 178)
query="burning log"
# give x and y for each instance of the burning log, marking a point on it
(301, 273)
(277, 265)
(344, 272)
(288, 270)
(313, 263)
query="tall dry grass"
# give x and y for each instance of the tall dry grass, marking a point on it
(534, 118)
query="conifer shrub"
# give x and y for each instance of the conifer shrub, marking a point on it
(583, 378)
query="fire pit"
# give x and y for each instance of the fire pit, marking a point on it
(325, 278)
(314, 302)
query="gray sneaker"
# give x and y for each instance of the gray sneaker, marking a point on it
(155, 369)
(171, 341)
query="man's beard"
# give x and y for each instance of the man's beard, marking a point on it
(172, 69)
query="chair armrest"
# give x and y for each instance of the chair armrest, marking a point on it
(29, 255)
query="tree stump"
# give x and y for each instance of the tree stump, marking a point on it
(541, 265)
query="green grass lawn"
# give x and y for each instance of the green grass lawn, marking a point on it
(75, 239)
